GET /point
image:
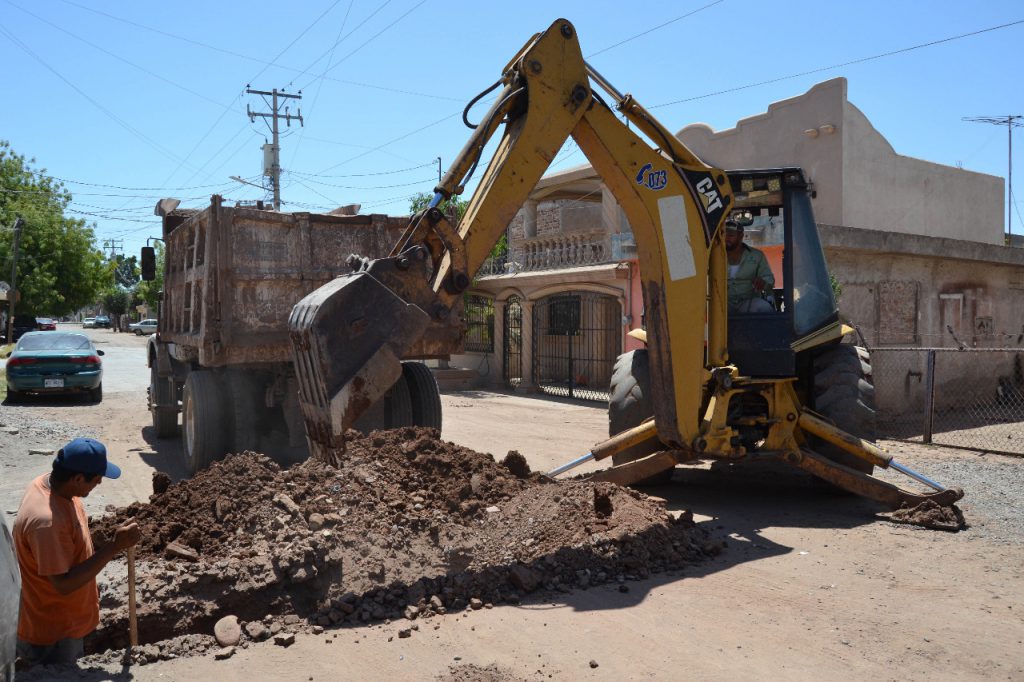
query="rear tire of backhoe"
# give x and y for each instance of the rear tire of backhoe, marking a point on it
(845, 395)
(424, 394)
(161, 392)
(629, 404)
(203, 421)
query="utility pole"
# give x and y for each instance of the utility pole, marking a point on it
(12, 293)
(1011, 121)
(114, 245)
(274, 151)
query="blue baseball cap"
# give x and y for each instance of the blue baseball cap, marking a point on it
(87, 456)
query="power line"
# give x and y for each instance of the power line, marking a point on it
(838, 66)
(124, 124)
(651, 30)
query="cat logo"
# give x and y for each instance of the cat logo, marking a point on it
(651, 178)
(712, 200)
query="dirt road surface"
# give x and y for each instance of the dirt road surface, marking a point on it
(811, 585)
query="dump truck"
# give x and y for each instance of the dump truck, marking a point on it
(221, 356)
(775, 383)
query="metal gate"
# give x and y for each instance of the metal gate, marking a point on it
(576, 338)
(513, 343)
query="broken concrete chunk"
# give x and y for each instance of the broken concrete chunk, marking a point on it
(176, 549)
(284, 639)
(257, 631)
(316, 521)
(288, 504)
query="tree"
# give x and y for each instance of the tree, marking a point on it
(116, 302)
(60, 269)
(126, 271)
(420, 201)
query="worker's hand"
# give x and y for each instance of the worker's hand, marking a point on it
(759, 284)
(127, 536)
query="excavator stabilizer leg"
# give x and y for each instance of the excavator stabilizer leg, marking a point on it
(862, 484)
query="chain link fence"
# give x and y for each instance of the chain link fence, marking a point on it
(970, 398)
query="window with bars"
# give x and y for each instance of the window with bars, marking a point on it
(479, 312)
(564, 316)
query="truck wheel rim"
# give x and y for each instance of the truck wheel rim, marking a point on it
(190, 429)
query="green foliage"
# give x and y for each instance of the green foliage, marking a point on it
(837, 288)
(149, 292)
(59, 267)
(116, 301)
(126, 271)
(420, 201)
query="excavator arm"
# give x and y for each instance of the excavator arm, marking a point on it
(349, 336)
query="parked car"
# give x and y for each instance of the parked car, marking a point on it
(22, 325)
(46, 324)
(54, 362)
(102, 322)
(143, 328)
(89, 323)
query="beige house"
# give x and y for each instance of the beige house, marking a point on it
(917, 247)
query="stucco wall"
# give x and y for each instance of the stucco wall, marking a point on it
(777, 138)
(883, 190)
(859, 178)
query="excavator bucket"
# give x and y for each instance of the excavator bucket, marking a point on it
(348, 338)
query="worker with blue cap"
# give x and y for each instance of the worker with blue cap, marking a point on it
(59, 595)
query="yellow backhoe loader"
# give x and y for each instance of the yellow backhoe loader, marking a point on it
(775, 384)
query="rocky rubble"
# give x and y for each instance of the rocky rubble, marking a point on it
(408, 527)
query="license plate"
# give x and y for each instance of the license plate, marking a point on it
(53, 383)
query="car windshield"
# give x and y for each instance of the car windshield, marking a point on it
(51, 341)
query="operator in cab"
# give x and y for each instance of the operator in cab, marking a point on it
(750, 276)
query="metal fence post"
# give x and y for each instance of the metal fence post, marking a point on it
(929, 397)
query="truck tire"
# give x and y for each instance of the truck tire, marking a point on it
(844, 394)
(161, 392)
(203, 417)
(426, 399)
(247, 410)
(629, 404)
(399, 399)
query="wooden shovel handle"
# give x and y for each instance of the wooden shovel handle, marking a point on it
(133, 625)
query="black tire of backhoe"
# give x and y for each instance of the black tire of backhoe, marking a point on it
(425, 396)
(629, 404)
(165, 419)
(846, 398)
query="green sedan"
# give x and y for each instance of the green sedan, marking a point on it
(54, 362)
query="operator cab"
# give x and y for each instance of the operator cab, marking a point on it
(774, 208)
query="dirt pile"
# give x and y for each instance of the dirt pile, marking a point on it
(407, 527)
(928, 514)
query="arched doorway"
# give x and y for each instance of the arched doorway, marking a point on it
(577, 335)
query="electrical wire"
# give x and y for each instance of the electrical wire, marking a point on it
(839, 66)
(651, 30)
(121, 122)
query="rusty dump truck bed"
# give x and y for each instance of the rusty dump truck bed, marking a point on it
(232, 276)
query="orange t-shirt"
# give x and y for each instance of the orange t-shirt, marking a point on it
(51, 535)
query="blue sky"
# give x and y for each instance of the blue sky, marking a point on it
(132, 101)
